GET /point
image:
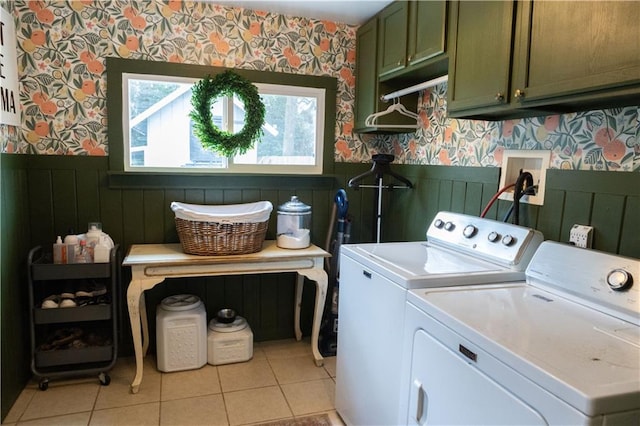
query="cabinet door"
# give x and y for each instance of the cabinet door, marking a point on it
(427, 38)
(392, 39)
(574, 47)
(366, 73)
(480, 54)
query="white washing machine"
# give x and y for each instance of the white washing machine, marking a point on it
(561, 348)
(374, 279)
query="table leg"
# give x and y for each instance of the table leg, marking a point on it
(298, 306)
(320, 277)
(145, 325)
(134, 297)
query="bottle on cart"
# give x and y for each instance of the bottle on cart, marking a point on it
(59, 251)
(73, 246)
(93, 237)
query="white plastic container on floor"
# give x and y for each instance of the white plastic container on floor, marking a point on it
(181, 333)
(229, 343)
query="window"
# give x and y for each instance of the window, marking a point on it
(152, 113)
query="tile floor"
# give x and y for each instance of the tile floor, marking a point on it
(281, 381)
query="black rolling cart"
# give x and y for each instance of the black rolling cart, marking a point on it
(73, 315)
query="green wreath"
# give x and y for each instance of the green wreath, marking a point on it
(205, 93)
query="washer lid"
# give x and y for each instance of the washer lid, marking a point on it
(237, 325)
(180, 302)
(420, 265)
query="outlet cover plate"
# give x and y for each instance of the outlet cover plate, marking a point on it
(535, 162)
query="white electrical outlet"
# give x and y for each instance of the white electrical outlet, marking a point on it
(581, 236)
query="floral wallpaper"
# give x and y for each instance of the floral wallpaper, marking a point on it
(62, 46)
(606, 139)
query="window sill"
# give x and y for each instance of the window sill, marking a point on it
(122, 180)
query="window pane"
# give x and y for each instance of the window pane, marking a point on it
(161, 133)
(160, 130)
(289, 134)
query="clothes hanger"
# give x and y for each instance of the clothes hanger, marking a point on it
(380, 167)
(396, 106)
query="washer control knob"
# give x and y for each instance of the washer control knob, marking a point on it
(508, 240)
(439, 223)
(469, 231)
(449, 226)
(619, 280)
(493, 236)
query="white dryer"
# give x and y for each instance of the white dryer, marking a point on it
(561, 348)
(374, 278)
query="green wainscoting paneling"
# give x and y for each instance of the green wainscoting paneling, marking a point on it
(14, 322)
(43, 196)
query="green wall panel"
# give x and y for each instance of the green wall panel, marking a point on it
(550, 223)
(630, 233)
(15, 244)
(608, 210)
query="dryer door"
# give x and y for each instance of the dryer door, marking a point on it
(446, 389)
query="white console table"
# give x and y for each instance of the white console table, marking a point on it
(153, 263)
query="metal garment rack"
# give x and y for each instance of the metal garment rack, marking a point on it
(379, 169)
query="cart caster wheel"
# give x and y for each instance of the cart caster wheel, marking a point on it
(44, 385)
(104, 379)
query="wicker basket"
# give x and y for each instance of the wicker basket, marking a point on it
(216, 230)
(217, 238)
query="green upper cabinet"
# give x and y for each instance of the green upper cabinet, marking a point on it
(392, 41)
(513, 59)
(572, 48)
(412, 40)
(427, 31)
(480, 55)
(366, 73)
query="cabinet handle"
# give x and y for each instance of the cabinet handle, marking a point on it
(410, 58)
(366, 274)
(519, 94)
(499, 97)
(399, 63)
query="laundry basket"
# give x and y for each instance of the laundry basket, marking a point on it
(213, 230)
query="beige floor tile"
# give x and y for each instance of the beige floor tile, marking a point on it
(185, 384)
(203, 410)
(126, 367)
(258, 352)
(335, 418)
(62, 400)
(20, 405)
(78, 419)
(296, 369)
(136, 415)
(117, 394)
(330, 365)
(256, 405)
(255, 373)
(286, 348)
(310, 397)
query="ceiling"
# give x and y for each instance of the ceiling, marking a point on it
(353, 12)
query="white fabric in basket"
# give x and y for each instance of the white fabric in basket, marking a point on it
(228, 213)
